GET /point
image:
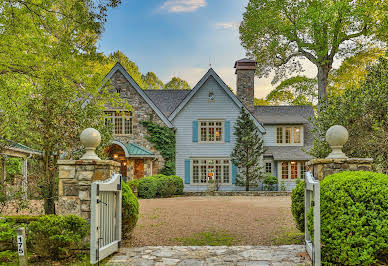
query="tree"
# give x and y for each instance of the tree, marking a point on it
(130, 66)
(248, 152)
(177, 84)
(364, 112)
(151, 81)
(261, 101)
(278, 33)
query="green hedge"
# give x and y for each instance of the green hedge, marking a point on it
(297, 205)
(354, 218)
(160, 186)
(57, 237)
(130, 210)
(21, 219)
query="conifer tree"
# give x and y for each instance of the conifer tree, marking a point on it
(247, 153)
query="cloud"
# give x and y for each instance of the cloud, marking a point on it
(181, 6)
(228, 25)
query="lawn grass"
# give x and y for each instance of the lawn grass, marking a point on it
(212, 238)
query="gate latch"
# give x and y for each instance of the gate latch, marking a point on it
(100, 201)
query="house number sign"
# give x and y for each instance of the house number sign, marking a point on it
(20, 246)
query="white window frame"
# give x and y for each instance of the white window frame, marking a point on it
(299, 169)
(207, 159)
(222, 121)
(284, 127)
(115, 114)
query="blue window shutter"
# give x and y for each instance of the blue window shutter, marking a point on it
(195, 131)
(227, 131)
(187, 171)
(234, 173)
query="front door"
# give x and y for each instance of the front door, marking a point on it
(139, 168)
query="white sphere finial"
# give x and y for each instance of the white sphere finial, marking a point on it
(90, 138)
(337, 136)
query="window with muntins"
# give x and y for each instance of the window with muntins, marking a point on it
(293, 169)
(288, 135)
(121, 122)
(211, 130)
(268, 168)
(204, 170)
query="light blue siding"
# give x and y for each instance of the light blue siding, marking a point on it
(227, 131)
(187, 171)
(269, 136)
(195, 131)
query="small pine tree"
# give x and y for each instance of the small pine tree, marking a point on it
(248, 151)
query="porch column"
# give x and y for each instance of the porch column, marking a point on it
(24, 180)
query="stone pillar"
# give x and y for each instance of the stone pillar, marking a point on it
(337, 161)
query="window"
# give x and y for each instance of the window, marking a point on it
(204, 170)
(268, 168)
(289, 135)
(293, 169)
(118, 90)
(211, 131)
(121, 122)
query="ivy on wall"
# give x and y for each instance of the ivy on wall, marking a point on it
(163, 138)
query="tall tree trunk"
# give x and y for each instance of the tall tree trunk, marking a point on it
(323, 76)
(49, 190)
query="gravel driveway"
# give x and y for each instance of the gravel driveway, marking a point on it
(250, 220)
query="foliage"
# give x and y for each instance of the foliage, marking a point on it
(282, 186)
(208, 239)
(8, 256)
(261, 101)
(354, 218)
(147, 187)
(164, 140)
(364, 112)
(165, 186)
(177, 84)
(178, 182)
(270, 182)
(56, 236)
(21, 219)
(279, 33)
(248, 149)
(297, 205)
(134, 184)
(130, 210)
(151, 81)
(7, 231)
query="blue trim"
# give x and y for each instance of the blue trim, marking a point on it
(275, 168)
(234, 173)
(187, 171)
(195, 131)
(227, 131)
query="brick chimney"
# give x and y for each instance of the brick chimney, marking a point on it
(245, 70)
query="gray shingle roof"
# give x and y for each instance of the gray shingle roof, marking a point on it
(167, 100)
(283, 114)
(283, 153)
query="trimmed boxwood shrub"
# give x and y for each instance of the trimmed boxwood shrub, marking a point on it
(7, 235)
(297, 205)
(130, 210)
(354, 218)
(147, 187)
(165, 186)
(21, 219)
(178, 184)
(56, 237)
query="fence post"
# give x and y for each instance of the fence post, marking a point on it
(22, 247)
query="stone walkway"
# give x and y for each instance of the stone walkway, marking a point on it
(207, 255)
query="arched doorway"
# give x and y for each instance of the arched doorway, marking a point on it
(117, 153)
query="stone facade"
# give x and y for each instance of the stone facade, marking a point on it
(321, 168)
(75, 179)
(245, 87)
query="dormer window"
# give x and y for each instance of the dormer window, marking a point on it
(289, 135)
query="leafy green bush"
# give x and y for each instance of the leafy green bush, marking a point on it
(270, 182)
(134, 184)
(178, 181)
(297, 205)
(21, 219)
(354, 218)
(165, 186)
(147, 187)
(130, 210)
(7, 235)
(56, 236)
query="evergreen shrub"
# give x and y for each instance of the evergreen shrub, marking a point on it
(297, 205)
(178, 181)
(130, 210)
(165, 186)
(354, 218)
(57, 237)
(147, 187)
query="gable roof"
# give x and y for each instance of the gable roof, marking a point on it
(234, 98)
(167, 100)
(119, 67)
(284, 114)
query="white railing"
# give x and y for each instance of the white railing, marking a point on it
(105, 222)
(312, 193)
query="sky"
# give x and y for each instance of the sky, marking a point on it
(181, 38)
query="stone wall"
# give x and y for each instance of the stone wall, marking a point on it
(321, 168)
(245, 87)
(75, 179)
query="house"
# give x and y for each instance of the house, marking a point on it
(203, 120)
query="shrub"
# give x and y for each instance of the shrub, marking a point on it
(297, 205)
(56, 236)
(130, 210)
(147, 187)
(134, 184)
(178, 181)
(21, 219)
(7, 235)
(354, 218)
(165, 186)
(269, 182)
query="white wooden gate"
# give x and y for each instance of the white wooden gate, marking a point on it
(312, 193)
(105, 222)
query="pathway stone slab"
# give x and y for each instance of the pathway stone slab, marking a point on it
(211, 256)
